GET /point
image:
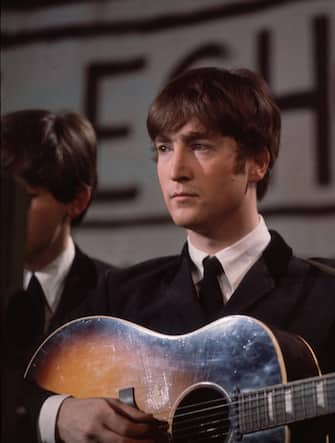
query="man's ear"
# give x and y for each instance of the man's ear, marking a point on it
(258, 166)
(79, 203)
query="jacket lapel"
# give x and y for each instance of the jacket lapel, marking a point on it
(181, 291)
(259, 282)
(256, 284)
(262, 278)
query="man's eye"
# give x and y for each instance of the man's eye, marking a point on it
(162, 148)
(200, 147)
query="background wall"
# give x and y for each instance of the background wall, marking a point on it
(108, 59)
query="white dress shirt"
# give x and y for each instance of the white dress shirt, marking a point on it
(52, 279)
(236, 259)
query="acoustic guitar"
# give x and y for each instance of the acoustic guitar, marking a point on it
(233, 379)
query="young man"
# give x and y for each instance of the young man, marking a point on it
(54, 157)
(216, 137)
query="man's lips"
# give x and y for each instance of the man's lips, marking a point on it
(183, 194)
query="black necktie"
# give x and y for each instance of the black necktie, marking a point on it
(25, 317)
(209, 289)
(37, 313)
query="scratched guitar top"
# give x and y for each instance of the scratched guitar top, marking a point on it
(98, 356)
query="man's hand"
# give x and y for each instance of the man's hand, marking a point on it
(106, 420)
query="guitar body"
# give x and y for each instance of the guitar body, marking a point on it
(171, 375)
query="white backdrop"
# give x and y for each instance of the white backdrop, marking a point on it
(108, 59)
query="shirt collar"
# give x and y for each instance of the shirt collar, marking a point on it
(237, 258)
(52, 276)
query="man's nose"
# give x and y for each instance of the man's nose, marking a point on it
(179, 167)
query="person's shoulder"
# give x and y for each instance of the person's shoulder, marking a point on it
(150, 270)
(82, 258)
(318, 268)
(102, 265)
(325, 264)
(153, 265)
(281, 253)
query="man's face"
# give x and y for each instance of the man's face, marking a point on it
(198, 176)
(47, 226)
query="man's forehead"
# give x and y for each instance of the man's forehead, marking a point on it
(192, 129)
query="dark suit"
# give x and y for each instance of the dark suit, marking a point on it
(280, 290)
(84, 281)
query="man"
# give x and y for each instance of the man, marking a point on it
(54, 158)
(216, 138)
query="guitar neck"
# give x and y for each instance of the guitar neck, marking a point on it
(283, 404)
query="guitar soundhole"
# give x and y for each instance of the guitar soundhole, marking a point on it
(202, 416)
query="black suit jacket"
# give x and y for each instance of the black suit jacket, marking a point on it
(85, 281)
(281, 290)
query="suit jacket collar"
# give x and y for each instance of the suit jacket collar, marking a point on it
(262, 278)
(258, 283)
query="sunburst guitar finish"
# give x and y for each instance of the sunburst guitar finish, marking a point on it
(220, 383)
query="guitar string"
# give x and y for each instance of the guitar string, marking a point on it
(262, 406)
(255, 424)
(222, 422)
(246, 414)
(180, 427)
(214, 426)
(189, 423)
(254, 396)
(214, 431)
(201, 433)
(184, 429)
(249, 417)
(213, 415)
(226, 423)
(307, 385)
(205, 438)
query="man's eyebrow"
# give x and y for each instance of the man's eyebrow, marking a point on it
(162, 139)
(186, 138)
(195, 135)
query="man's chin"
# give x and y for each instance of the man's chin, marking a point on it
(184, 222)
